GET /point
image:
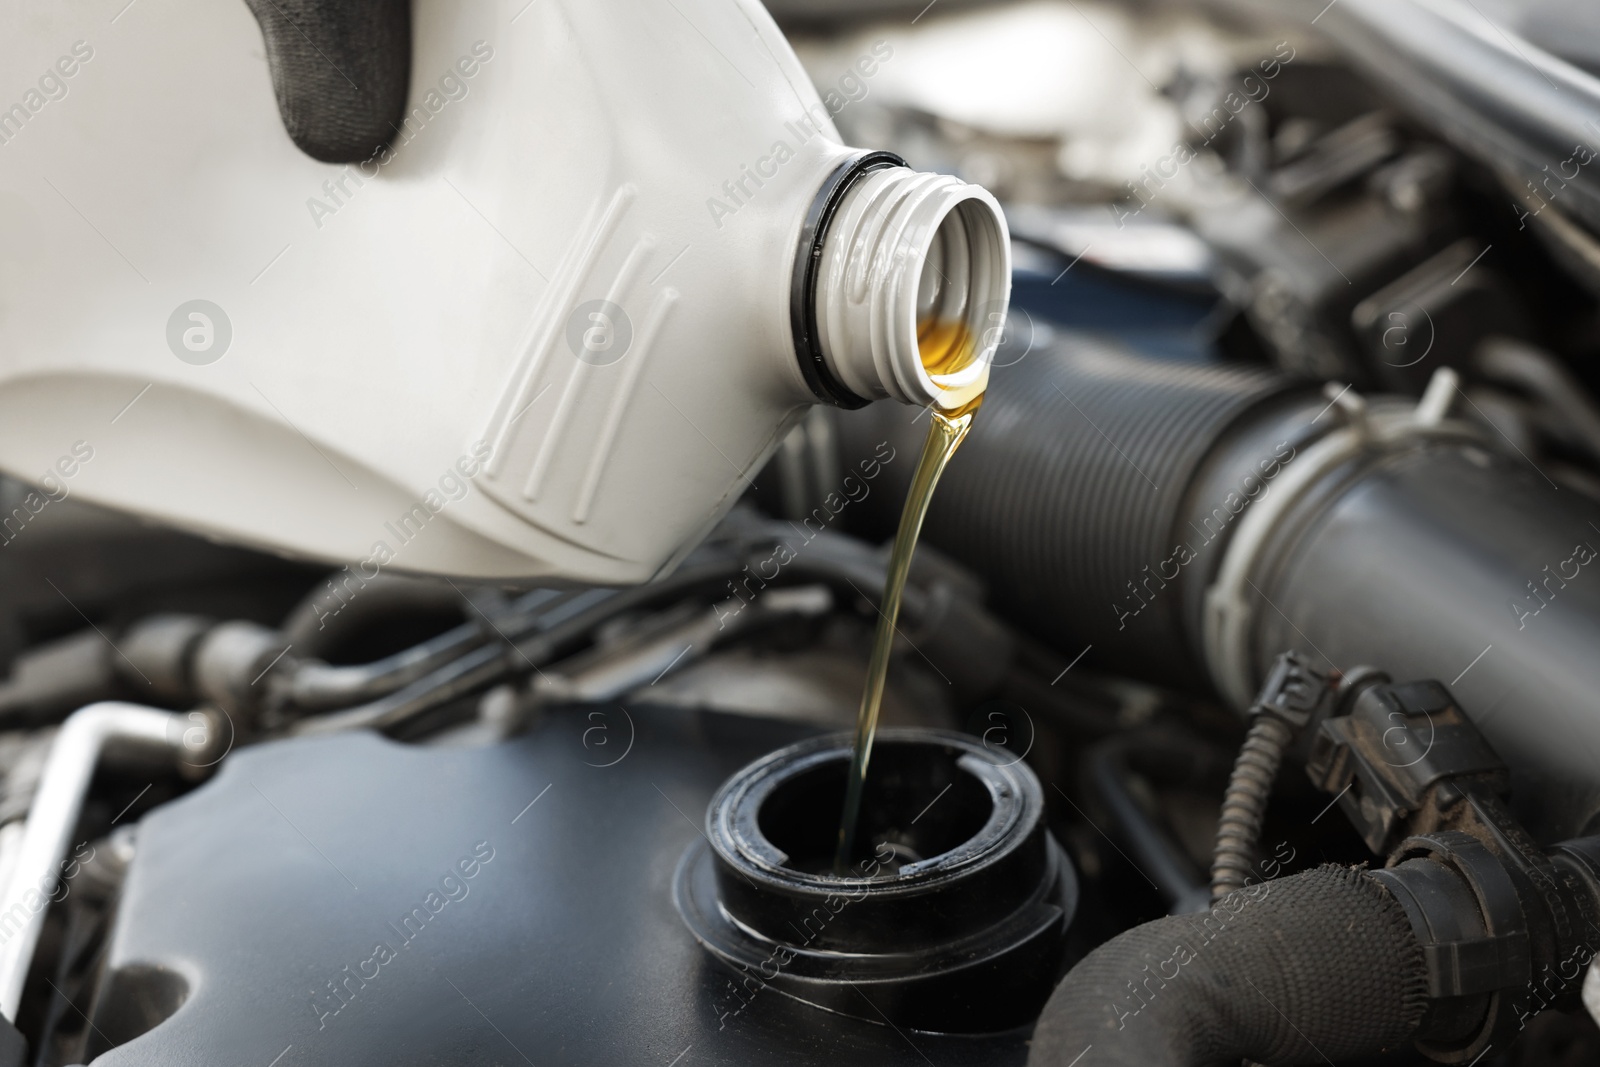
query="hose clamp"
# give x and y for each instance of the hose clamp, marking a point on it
(1229, 613)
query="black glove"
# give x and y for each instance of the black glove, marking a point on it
(340, 69)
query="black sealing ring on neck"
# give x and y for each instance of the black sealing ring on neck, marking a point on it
(803, 290)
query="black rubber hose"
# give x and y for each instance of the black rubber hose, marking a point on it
(1444, 559)
(1308, 969)
(1067, 493)
(1244, 805)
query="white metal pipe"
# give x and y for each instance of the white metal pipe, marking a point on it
(87, 734)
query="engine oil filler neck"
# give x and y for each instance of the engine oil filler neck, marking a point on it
(954, 913)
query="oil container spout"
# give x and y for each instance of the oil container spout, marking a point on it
(903, 286)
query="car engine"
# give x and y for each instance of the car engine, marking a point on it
(1244, 705)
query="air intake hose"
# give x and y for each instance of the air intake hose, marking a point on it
(1188, 523)
(1066, 494)
(1308, 969)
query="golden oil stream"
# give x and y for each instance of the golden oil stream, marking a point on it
(945, 348)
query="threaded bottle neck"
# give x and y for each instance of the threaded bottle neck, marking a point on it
(912, 287)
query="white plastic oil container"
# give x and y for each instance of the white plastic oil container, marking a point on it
(613, 252)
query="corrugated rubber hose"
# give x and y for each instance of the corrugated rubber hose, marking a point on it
(1070, 492)
(1307, 969)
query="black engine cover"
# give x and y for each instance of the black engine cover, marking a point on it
(351, 900)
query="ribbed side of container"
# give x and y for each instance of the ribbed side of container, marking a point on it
(1069, 487)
